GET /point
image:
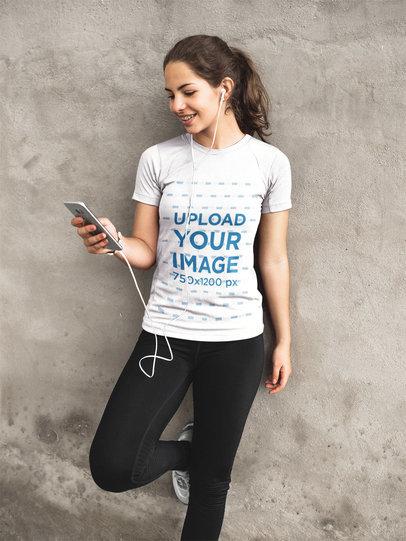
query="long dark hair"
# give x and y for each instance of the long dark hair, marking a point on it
(212, 59)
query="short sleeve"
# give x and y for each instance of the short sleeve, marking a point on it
(147, 189)
(278, 196)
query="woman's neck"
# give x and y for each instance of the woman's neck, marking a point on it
(228, 133)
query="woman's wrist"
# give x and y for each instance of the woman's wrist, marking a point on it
(284, 340)
(121, 240)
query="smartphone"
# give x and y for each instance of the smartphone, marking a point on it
(78, 208)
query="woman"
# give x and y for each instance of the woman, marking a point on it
(243, 185)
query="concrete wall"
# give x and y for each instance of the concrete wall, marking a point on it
(81, 97)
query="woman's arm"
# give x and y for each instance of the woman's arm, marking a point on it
(274, 268)
(140, 249)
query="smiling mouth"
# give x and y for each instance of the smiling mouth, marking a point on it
(187, 117)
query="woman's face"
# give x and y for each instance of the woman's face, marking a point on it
(189, 94)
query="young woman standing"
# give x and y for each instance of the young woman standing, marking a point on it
(243, 185)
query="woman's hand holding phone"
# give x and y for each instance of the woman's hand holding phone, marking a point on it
(95, 244)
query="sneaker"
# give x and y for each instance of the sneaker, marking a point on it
(180, 479)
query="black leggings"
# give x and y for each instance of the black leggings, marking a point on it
(126, 451)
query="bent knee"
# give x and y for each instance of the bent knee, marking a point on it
(106, 479)
(108, 474)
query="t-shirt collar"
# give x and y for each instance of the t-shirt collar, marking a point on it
(203, 149)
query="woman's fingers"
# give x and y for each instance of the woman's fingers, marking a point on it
(94, 244)
(98, 249)
(281, 375)
(82, 230)
(275, 373)
(86, 231)
(93, 240)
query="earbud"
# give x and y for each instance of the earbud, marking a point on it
(222, 94)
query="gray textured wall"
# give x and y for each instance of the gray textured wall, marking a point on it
(81, 97)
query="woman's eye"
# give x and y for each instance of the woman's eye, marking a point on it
(186, 94)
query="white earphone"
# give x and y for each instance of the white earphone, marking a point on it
(155, 356)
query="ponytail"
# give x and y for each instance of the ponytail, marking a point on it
(250, 101)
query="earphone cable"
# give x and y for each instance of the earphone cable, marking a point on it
(194, 168)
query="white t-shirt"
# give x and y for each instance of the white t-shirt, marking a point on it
(233, 186)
